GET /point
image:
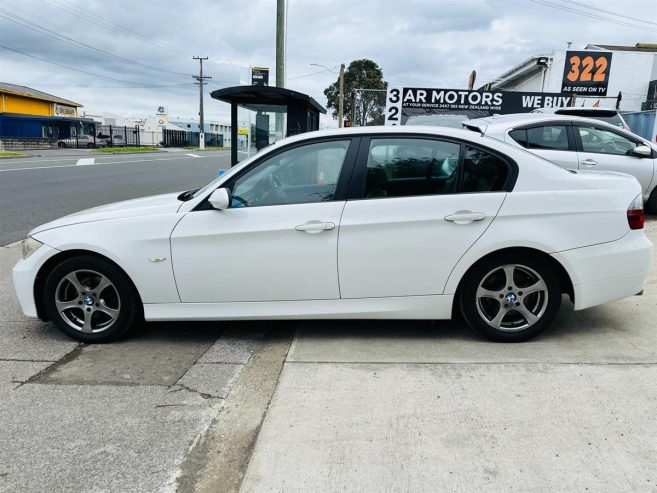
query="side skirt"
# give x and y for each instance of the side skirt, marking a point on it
(434, 307)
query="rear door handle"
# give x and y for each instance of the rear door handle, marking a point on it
(465, 217)
(589, 162)
(315, 227)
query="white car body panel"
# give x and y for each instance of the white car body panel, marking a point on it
(403, 246)
(256, 254)
(130, 242)
(403, 307)
(247, 263)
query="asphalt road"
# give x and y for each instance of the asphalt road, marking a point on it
(36, 190)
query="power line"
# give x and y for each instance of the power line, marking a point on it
(609, 12)
(47, 32)
(593, 16)
(72, 68)
(82, 14)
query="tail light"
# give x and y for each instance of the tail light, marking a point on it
(635, 213)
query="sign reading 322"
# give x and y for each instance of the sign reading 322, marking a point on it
(586, 72)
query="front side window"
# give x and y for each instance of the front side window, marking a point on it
(548, 137)
(301, 175)
(483, 171)
(603, 141)
(407, 167)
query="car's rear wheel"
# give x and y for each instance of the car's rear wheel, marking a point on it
(90, 299)
(61, 145)
(510, 297)
(90, 145)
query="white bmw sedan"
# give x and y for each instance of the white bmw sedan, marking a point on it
(371, 223)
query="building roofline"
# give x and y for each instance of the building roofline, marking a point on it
(25, 91)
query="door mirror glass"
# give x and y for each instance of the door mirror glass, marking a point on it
(642, 151)
(220, 199)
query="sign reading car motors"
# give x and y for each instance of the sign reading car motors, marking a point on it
(586, 72)
(403, 103)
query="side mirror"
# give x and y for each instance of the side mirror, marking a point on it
(220, 199)
(642, 151)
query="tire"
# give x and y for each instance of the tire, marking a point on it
(61, 145)
(90, 145)
(510, 315)
(78, 308)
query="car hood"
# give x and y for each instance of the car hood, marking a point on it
(157, 204)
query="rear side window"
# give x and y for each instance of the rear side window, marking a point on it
(483, 171)
(548, 137)
(407, 167)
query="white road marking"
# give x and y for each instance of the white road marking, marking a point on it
(192, 155)
(109, 162)
(87, 161)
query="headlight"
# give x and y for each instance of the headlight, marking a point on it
(30, 245)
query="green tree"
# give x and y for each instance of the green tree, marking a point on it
(370, 105)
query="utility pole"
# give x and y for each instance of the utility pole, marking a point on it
(341, 101)
(280, 43)
(280, 58)
(201, 82)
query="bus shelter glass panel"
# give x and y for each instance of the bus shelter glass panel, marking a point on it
(259, 125)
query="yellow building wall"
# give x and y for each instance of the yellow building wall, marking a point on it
(26, 106)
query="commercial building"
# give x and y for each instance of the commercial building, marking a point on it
(210, 127)
(595, 75)
(35, 118)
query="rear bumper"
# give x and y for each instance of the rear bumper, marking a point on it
(609, 271)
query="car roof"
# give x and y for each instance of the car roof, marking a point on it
(504, 122)
(458, 133)
(574, 110)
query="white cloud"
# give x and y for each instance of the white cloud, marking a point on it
(416, 42)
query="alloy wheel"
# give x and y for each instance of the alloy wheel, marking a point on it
(87, 301)
(512, 297)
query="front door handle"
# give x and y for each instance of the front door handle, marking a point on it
(465, 217)
(315, 227)
(589, 162)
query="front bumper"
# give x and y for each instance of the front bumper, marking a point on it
(609, 271)
(24, 274)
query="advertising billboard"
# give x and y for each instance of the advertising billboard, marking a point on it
(586, 72)
(418, 106)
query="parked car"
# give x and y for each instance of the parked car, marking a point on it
(116, 140)
(612, 117)
(446, 120)
(430, 221)
(86, 141)
(578, 143)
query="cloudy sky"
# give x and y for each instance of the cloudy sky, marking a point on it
(132, 56)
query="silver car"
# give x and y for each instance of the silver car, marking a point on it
(578, 143)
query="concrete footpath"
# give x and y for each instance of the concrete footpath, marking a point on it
(128, 416)
(425, 407)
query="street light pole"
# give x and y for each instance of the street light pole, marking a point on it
(341, 101)
(201, 82)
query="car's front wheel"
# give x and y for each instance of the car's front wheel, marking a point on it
(510, 297)
(90, 299)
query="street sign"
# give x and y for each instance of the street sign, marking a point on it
(403, 103)
(586, 72)
(259, 76)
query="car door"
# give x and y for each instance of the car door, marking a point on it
(278, 240)
(603, 149)
(415, 206)
(551, 141)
